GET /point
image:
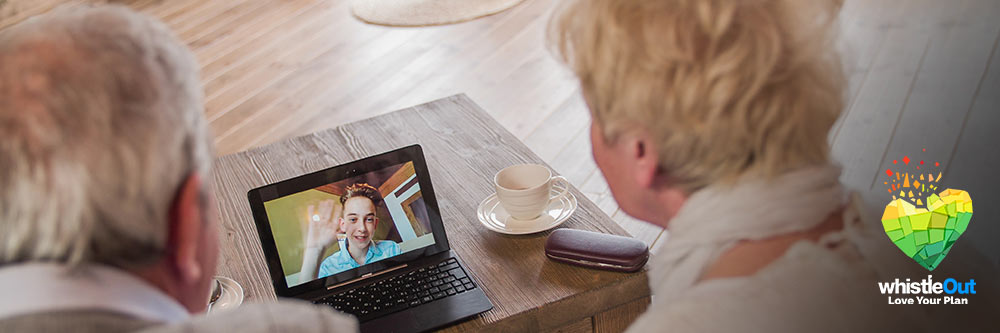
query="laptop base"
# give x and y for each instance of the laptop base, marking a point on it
(432, 315)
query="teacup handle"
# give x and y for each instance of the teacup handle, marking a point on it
(565, 188)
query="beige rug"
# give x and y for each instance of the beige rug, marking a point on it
(426, 12)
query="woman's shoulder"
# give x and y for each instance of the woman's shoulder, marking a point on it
(810, 289)
(806, 289)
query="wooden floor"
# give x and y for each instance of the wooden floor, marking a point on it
(924, 74)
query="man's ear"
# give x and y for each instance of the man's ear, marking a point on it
(186, 228)
(645, 159)
(340, 225)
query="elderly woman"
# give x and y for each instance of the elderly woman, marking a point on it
(710, 119)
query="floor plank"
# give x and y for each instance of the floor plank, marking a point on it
(972, 166)
(954, 42)
(945, 84)
(555, 132)
(864, 27)
(869, 122)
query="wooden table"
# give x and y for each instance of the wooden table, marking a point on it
(465, 147)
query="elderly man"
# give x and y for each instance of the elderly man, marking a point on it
(106, 220)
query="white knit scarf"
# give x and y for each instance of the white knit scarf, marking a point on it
(717, 217)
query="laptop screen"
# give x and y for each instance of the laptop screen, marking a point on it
(349, 223)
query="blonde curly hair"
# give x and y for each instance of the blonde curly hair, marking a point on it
(726, 88)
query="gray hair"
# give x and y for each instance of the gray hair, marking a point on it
(101, 122)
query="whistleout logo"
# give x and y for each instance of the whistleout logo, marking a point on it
(922, 289)
(924, 222)
(924, 234)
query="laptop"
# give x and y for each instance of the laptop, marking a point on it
(366, 238)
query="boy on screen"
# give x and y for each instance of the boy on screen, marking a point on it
(358, 223)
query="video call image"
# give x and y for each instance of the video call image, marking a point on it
(349, 223)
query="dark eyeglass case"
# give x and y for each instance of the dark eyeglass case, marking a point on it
(596, 250)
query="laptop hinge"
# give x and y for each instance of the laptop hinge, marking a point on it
(366, 276)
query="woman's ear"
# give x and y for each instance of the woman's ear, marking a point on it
(645, 159)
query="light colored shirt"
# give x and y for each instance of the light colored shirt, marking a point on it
(825, 286)
(342, 260)
(47, 287)
(811, 288)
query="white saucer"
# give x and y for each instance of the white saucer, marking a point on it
(231, 297)
(494, 217)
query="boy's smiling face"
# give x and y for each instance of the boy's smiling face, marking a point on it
(358, 221)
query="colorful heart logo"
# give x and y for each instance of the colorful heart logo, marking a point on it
(927, 234)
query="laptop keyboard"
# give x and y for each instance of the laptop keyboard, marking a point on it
(404, 291)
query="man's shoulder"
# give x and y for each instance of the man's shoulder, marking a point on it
(284, 316)
(83, 320)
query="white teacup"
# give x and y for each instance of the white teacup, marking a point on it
(525, 190)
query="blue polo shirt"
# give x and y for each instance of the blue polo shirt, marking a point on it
(342, 260)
